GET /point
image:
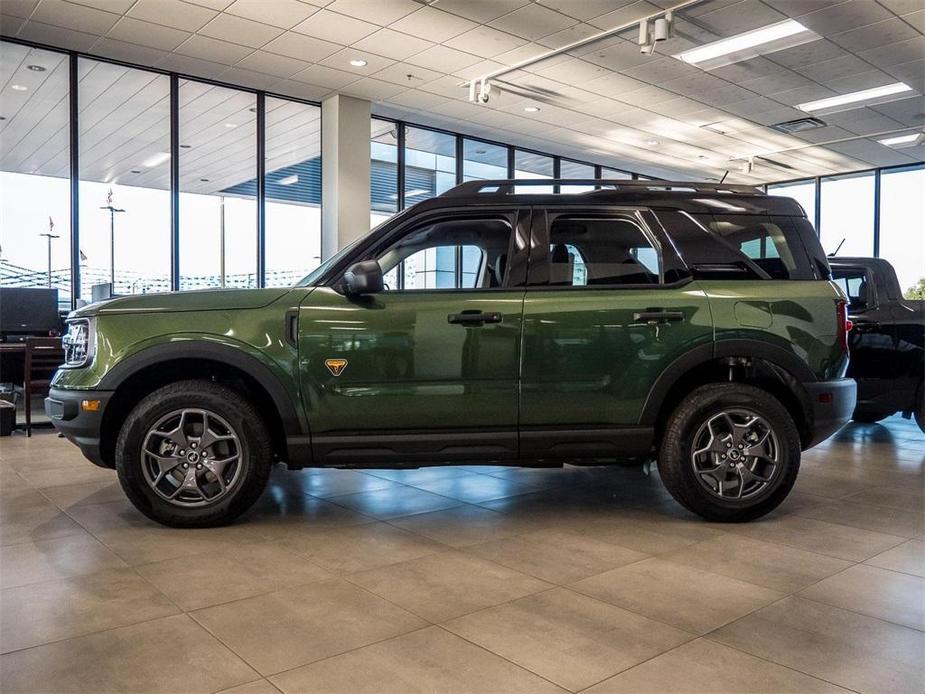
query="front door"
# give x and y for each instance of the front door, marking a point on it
(426, 370)
(600, 325)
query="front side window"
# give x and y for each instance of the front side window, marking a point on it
(588, 251)
(462, 253)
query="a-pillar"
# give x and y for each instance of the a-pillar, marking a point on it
(344, 171)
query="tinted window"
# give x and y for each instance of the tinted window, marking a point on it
(446, 254)
(760, 240)
(853, 282)
(600, 251)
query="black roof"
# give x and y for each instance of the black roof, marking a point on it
(693, 197)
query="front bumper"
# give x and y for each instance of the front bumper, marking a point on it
(80, 426)
(832, 405)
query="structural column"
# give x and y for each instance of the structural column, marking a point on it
(344, 171)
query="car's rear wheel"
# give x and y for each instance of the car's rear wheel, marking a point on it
(730, 452)
(193, 454)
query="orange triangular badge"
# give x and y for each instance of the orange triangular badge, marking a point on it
(336, 366)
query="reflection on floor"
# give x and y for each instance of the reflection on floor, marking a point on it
(468, 579)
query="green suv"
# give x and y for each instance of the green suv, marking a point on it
(528, 323)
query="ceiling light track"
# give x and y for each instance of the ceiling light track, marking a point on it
(480, 87)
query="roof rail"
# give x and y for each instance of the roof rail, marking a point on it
(507, 186)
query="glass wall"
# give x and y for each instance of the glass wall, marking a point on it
(430, 163)
(483, 161)
(615, 174)
(902, 223)
(124, 131)
(293, 191)
(804, 192)
(35, 234)
(383, 183)
(846, 223)
(531, 165)
(218, 215)
(574, 169)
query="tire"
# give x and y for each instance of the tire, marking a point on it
(685, 461)
(228, 472)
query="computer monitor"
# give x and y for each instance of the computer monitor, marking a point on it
(28, 311)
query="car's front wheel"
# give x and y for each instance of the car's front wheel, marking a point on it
(730, 452)
(193, 454)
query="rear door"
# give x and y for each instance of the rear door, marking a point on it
(607, 309)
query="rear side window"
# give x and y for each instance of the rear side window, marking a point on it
(741, 246)
(853, 281)
(587, 251)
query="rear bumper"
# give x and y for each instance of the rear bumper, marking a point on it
(832, 403)
(64, 408)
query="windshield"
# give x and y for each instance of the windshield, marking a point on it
(319, 271)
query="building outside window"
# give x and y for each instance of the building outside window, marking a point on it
(383, 184)
(430, 164)
(483, 161)
(531, 165)
(846, 223)
(804, 192)
(902, 223)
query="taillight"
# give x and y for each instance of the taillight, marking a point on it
(843, 323)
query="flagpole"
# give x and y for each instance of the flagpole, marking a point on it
(112, 240)
(50, 236)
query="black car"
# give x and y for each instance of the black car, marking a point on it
(887, 342)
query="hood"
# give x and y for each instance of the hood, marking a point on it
(199, 300)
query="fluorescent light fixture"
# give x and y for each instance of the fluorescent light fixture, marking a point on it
(358, 62)
(19, 87)
(742, 42)
(156, 159)
(912, 138)
(532, 109)
(289, 180)
(855, 97)
(231, 125)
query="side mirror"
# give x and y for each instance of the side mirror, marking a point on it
(364, 277)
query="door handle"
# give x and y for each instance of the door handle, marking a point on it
(475, 318)
(292, 327)
(658, 316)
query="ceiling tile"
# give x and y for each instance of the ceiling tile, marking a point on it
(374, 90)
(485, 41)
(172, 13)
(247, 78)
(584, 9)
(406, 75)
(844, 16)
(341, 61)
(743, 16)
(875, 35)
(481, 10)
(74, 17)
(127, 52)
(808, 54)
(18, 8)
(629, 12)
(322, 76)
(335, 27)
(211, 4)
(392, 44)
(147, 34)
(447, 86)
(56, 36)
(574, 71)
(415, 98)
(192, 66)
(302, 47)
(894, 54)
(279, 13)
(10, 26)
(381, 12)
(433, 24)
(909, 112)
(239, 30)
(560, 39)
(217, 51)
(300, 90)
(272, 64)
(443, 59)
(862, 80)
(798, 8)
(912, 73)
(533, 22)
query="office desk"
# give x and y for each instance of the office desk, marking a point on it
(31, 364)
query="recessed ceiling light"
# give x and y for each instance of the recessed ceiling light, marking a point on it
(358, 62)
(231, 125)
(743, 42)
(18, 87)
(652, 143)
(35, 68)
(156, 159)
(912, 138)
(289, 180)
(532, 109)
(834, 102)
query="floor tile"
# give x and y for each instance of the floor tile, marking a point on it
(908, 558)
(173, 654)
(774, 566)
(556, 556)
(42, 523)
(425, 661)
(55, 477)
(459, 526)
(282, 630)
(327, 483)
(68, 495)
(894, 597)
(257, 687)
(567, 638)
(473, 488)
(360, 547)
(703, 666)
(831, 539)
(682, 596)
(54, 610)
(31, 562)
(242, 572)
(395, 502)
(849, 649)
(442, 586)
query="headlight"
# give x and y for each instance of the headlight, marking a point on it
(79, 343)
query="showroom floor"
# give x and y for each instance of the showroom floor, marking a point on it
(468, 579)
